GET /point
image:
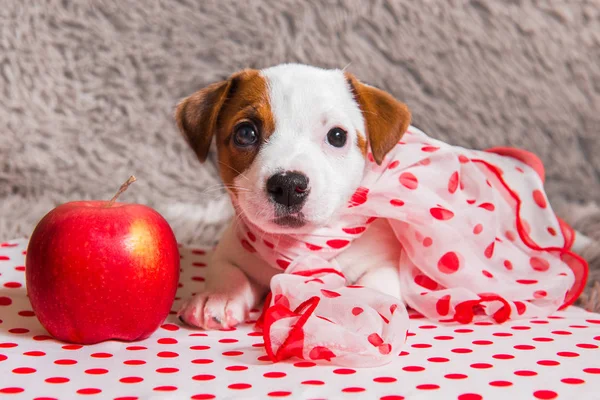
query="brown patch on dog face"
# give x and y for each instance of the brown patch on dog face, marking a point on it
(386, 118)
(362, 143)
(217, 110)
(248, 102)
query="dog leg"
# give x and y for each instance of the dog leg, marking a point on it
(372, 260)
(385, 279)
(236, 281)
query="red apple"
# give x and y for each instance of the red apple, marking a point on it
(100, 270)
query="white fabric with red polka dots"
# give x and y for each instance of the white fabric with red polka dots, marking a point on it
(479, 243)
(546, 358)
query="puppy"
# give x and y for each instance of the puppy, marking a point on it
(292, 143)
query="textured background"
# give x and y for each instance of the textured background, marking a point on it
(87, 92)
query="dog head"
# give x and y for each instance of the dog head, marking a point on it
(292, 140)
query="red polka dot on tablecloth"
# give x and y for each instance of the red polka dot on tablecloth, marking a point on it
(11, 390)
(5, 301)
(239, 386)
(313, 382)
(586, 346)
(199, 347)
(280, 393)
(167, 341)
(413, 368)
(65, 361)
(572, 381)
(392, 397)
(542, 339)
(421, 345)
(96, 371)
(167, 354)
(545, 394)
(384, 379)
(202, 361)
(131, 379)
(134, 362)
(567, 354)
(165, 388)
(592, 370)
(461, 350)
(427, 386)
(233, 353)
(481, 365)
(469, 396)
(525, 372)
(344, 371)
(18, 331)
(24, 370)
(236, 368)
(524, 347)
(353, 389)
(500, 383)
(101, 355)
(167, 370)
(503, 356)
(463, 330)
(203, 377)
(89, 391)
(274, 374)
(34, 353)
(72, 347)
(548, 363)
(438, 359)
(455, 376)
(57, 380)
(136, 348)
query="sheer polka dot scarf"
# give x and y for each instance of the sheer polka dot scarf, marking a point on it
(479, 242)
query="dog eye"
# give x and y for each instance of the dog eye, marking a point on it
(245, 135)
(337, 137)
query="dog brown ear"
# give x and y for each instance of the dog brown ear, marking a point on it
(386, 118)
(197, 114)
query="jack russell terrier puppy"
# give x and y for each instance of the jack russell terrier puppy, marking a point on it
(293, 145)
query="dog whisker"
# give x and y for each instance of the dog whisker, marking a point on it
(234, 170)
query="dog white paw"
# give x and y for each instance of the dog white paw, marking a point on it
(214, 311)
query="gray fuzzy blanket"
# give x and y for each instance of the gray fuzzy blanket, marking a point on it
(87, 90)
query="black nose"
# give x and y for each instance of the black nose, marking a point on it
(288, 188)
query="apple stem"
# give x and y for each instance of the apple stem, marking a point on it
(121, 190)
